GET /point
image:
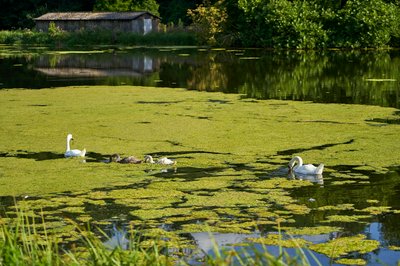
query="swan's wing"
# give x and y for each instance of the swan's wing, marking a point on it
(306, 169)
(74, 153)
(165, 161)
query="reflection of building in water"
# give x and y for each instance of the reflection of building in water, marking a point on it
(99, 65)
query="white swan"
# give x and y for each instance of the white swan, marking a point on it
(163, 160)
(73, 153)
(296, 164)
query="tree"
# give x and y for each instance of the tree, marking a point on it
(175, 11)
(127, 5)
(208, 21)
(15, 14)
(283, 23)
(320, 23)
(366, 23)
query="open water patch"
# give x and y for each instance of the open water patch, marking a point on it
(319, 147)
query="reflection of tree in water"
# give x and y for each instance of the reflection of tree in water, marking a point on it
(211, 76)
(338, 77)
(361, 77)
(330, 76)
(390, 222)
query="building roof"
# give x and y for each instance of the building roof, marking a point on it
(93, 15)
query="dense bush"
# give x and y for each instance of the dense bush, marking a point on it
(208, 22)
(366, 23)
(25, 37)
(284, 24)
(316, 24)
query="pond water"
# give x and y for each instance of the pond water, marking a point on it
(234, 178)
(360, 77)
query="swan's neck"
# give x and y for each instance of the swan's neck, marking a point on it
(298, 162)
(68, 147)
(149, 159)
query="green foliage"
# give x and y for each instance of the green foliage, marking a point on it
(296, 24)
(319, 24)
(67, 40)
(285, 24)
(25, 37)
(208, 22)
(23, 242)
(173, 11)
(15, 14)
(127, 5)
(365, 23)
(54, 31)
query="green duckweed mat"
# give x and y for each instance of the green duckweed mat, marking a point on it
(231, 154)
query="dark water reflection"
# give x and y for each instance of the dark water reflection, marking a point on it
(360, 77)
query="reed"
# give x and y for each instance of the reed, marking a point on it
(23, 242)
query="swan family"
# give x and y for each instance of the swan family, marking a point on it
(296, 163)
(116, 157)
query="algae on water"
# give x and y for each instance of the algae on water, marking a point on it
(232, 156)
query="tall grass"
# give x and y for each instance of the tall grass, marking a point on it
(23, 242)
(25, 37)
(69, 40)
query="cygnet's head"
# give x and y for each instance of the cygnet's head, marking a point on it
(148, 159)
